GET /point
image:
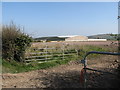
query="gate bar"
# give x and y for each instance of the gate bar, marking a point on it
(95, 52)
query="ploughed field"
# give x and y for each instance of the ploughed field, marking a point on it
(106, 43)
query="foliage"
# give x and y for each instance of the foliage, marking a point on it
(48, 39)
(14, 42)
(105, 36)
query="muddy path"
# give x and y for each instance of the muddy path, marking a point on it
(67, 76)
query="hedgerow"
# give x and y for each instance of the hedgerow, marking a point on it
(14, 43)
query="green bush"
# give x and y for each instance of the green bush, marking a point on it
(14, 42)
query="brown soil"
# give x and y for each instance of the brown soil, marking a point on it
(67, 76)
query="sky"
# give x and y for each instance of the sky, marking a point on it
(0, 14)
(41, 19)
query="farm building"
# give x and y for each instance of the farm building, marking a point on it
(77, 38)
(82, 38)
(97, 39)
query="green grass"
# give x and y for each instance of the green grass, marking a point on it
(17, 67)
(87, 48)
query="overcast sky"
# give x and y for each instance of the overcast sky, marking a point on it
(62, 18)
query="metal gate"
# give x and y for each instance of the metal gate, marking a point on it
(84, 62)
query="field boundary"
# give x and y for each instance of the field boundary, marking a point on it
(46, 54)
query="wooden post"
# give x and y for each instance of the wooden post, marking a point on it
(63, 50)
(46, 52)
(77, 53)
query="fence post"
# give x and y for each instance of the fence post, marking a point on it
(46, 52)
(77, 53)
(63, 50)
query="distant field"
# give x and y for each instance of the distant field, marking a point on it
(99, 43)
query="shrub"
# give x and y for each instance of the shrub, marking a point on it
(14, 42)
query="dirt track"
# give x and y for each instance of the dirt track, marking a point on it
(66, 76)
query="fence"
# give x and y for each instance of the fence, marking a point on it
(46, 54)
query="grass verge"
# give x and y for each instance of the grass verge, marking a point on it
(16, 67)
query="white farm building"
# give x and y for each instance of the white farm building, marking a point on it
(82, 38)
(77, 38)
